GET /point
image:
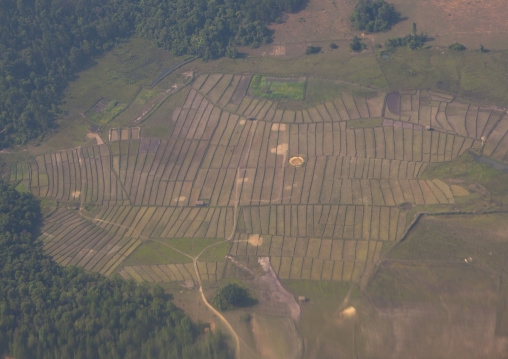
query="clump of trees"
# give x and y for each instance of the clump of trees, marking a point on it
(232, 296)
(411, 41)
(44, 43)
(356, 45)
(49, 311)
(457, 47)
(374, 15)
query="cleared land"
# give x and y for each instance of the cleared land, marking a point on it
(224, 173)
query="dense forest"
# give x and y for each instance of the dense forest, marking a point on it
(44, 42)
(49, 311)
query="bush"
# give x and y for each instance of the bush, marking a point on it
(232, 296)
(412, 42)
(312, 50)
(374, 15)
(457, 47)
(356, 45)
(333, 46)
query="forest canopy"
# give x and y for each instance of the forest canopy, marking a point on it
(374, 15)
(43, 43)
(49, 311)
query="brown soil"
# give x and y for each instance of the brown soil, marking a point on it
(255, 240)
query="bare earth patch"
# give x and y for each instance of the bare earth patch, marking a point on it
(274, 293)
(255, 240)
(96, 137)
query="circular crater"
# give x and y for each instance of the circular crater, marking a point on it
(296, 161)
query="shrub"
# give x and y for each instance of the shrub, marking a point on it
(457, 47)
(312, 50)
(356, 45)
(232, 296)
(333, 46)
(412, 42)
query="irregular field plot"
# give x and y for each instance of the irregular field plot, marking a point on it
(221, 183)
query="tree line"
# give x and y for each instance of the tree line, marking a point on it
(50, 311)
(43, 43)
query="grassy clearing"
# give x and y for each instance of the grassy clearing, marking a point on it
(463, 167)
(155, 253)
(159, 124)
(430, 264)
(112, 109)
(216, 253)
(193, 246)
(339, 64)
(277, 88)
(473, 76)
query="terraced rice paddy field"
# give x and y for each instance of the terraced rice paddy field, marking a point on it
(222, 183)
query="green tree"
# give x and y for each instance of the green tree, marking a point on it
(312, 50)
(356, 45)
(457, 47)
(232, 296)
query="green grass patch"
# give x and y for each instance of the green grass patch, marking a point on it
(277, 88)
(365, 122)
(191, 246)
(459, 257)
(157, 123)
(474, 76)
(216, 253)
(155, 253)
(112, 109)
(21, 187)
(463, 167)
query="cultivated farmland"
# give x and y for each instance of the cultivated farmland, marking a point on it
(224, 177)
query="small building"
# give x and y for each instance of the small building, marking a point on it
(302, 299)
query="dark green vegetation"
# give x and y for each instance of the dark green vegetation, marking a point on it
(232, 296)
(313, 50)
(458, 47)
(374, 15)
(356, 45)
(43, 45)
(48, 311)
(411, 41)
